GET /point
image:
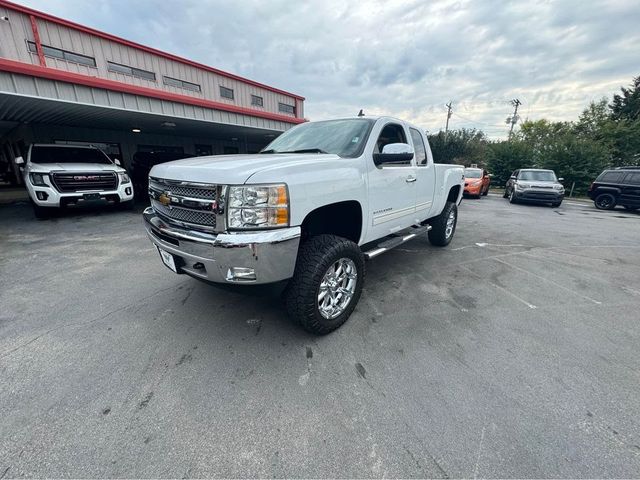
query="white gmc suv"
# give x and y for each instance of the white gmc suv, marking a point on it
(310, 209)
(57, 176)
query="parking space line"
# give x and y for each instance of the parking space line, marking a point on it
(521, 300)
(559, 285)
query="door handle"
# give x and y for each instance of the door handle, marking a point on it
(411, 179)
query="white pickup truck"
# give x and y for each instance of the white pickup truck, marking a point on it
(310, 208)
(58, 176)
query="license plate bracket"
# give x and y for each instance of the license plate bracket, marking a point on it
(91, 196)
(168, 260)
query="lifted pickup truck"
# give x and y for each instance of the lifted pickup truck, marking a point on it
(310, 208)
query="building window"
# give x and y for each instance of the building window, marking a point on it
(63, 55)
(284, 108)
(202, 150)
(257, 101)
(135, 72)
(174, 82)
(226, 92)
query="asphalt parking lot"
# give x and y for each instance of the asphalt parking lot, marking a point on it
(511, 353)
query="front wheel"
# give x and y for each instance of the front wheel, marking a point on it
(326, 284)
(605, 201)
(512, 197)
(444, 225)
(556, 205)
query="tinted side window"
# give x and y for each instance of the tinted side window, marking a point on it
(418, 145)
(632, 179)
(611, 177)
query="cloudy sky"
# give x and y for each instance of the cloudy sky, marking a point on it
(404, 58)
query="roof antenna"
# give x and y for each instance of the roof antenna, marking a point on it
(361, 113)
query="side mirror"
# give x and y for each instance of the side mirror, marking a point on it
(19, 161)
(394, 153)
(512, 177)
(117, 162)
(561, 179)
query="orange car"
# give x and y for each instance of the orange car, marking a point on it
(476, 182)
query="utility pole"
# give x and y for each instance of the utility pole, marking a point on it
(446, 129)
(514, 118)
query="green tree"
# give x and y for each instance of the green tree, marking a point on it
(464, 146)
(504, 157)
(627, 105)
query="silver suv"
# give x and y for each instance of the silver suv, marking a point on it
(534, 185)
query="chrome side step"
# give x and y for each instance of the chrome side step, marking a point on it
(395, 241)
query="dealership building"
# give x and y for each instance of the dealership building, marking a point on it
(61, 82)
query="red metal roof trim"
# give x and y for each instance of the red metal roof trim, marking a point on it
(122, 41)
(70, 77)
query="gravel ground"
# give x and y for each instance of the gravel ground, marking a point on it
(511, 353)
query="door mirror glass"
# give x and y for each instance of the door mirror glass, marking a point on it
(117, 162)
(394, 153)
(561, 179)
(19, 161)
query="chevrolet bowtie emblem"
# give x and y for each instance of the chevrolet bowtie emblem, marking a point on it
(164, 199)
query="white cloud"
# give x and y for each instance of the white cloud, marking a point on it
(401, 58)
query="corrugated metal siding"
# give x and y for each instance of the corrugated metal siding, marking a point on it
(38, 87)
(13, 36)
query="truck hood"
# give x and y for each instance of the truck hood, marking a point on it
(74, 167)
(234, 169)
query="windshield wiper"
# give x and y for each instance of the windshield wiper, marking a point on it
(306, 150)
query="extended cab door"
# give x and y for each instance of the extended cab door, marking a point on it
(391, 186)
(425, 174)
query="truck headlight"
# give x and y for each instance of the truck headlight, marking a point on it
(124, 177)
(558, 187)
(520, 186)
(258, 206)
(38, 179)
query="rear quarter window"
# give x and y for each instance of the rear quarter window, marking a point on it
(632, 178)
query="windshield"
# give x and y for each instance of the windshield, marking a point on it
(473, 173)
(345, 138)
(68, 155)
(537, 175)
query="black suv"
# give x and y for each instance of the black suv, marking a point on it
(619, 186)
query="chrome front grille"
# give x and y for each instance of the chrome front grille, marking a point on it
(188, 204)
(200, 191)
(185, 215)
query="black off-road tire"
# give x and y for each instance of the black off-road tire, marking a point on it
(438, 233)
(605, 201)
(315, 256)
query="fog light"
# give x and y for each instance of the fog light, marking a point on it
(42, 195)
(241, 274)
(127, 191)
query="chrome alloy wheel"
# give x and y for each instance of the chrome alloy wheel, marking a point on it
(451, 222)
(337, 288)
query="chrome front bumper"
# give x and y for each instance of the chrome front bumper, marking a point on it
(253, 257)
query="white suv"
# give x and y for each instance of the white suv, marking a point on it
(57, 176)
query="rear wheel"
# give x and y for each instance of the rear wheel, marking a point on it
(505, 194)
(326, 284)
(605, 201)
(444, 226)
